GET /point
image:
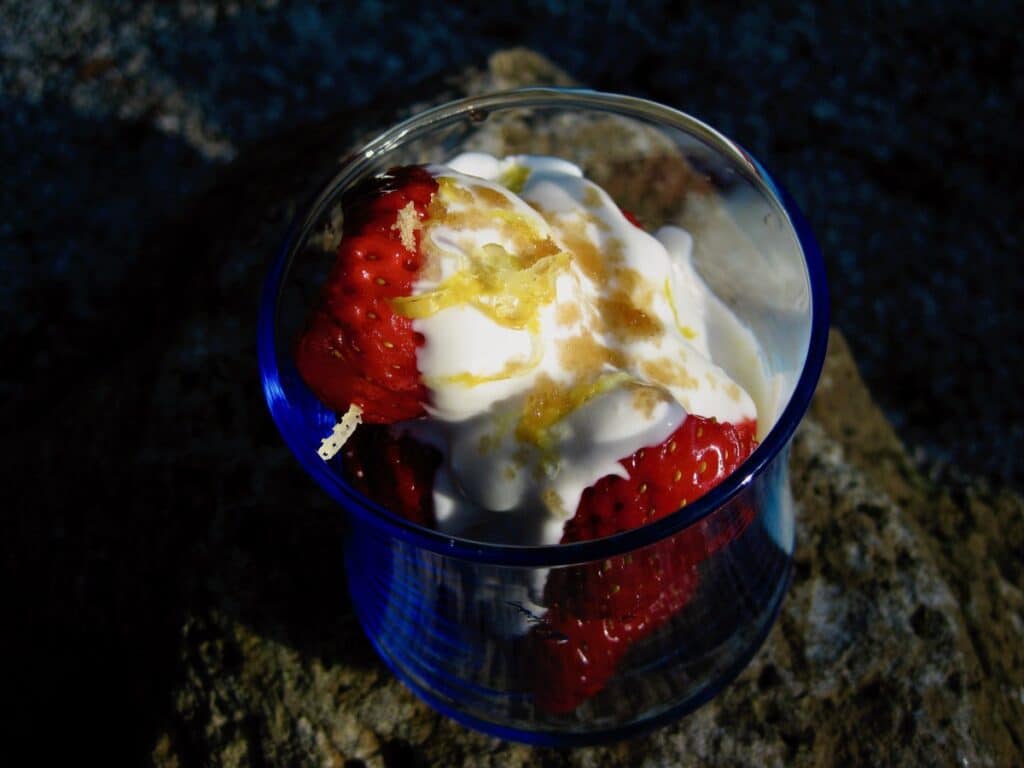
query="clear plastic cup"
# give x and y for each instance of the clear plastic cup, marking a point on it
(481, 630)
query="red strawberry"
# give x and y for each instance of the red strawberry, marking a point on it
(632, 219)
(606, 609)
(597, 611)
(693, 460)
(356, 349)
(396, 472)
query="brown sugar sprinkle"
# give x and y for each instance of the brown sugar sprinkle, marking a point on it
(614, 251)
(548, 402)
(595, 320)
(469, 219)
(628, 280)
(592, 198)
(543, 404)
(537, 249)
(668, 372)
(583, 355)
(626, 320)
(568, 314)
(635, 285)
(573, 233)
(587, 255)
(523, 239)
(491, 197)
(733, 391)
(645, 399)
(553, 502)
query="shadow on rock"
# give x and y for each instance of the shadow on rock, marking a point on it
(158, 487)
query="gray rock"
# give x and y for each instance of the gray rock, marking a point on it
(899, 643)
(889, 650)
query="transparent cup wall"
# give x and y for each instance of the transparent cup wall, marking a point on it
(471, 636)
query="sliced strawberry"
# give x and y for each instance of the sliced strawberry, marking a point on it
(604, 609)
(597, 611)
(693, 460)
(396, 472)
(356, 349)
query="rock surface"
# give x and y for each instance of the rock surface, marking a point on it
(899, 643)
(177, 588)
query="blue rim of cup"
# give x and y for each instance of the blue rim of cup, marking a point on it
(371, 513)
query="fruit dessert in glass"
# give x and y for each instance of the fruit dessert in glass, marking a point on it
(541, 418)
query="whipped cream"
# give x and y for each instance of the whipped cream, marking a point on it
(559, 339)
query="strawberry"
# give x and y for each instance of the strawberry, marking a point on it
(598, 610)
(632, 218)
(604, 609)
(396, 471)
(356, 349)
(693, 460)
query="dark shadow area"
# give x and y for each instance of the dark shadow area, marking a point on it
(143, 477)
(158, 486)
(894, 130)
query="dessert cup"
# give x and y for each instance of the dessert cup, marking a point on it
(463, 623)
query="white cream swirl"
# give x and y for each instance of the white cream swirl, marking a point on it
(559, 339)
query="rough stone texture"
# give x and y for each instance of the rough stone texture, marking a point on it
(177, 584)
(898, 644)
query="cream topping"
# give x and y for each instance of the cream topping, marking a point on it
(559, 339)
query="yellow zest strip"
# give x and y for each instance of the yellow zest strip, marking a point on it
(550, 402)
(687, 331)
(496, 283)
(514, 178)
(512, 368)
